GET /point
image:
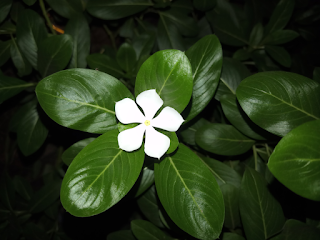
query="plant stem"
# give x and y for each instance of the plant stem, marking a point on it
(255, 157)
(267, 148)
(46, 17)
(111, 36)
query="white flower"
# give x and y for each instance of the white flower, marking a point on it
(156, 143)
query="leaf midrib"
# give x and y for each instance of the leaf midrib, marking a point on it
(214, 173)
(18, 86)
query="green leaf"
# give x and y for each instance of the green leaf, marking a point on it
(144, 230)
(241, 54)
(279, 101)
(78, 29)
(256, 35)
(47, 195)
(231, 202)
(168, 36)
(170, 73)
(186, 25)
(67, 8)
(280, 37)
(5, 6)
(104, 63)
(72, 99)
(231, 236)
(4, 51)
(54, 54)
(316, 74)
(148, 204)
(240, 120)
(223, 139)
(31, 31)
(145, 180)
(280, 16)
(261, 214)
(8, 28)
(195, 206)
(7, 196)
(16, 8)
(10, 87)
(100, 176)
(295, 161)
(127, 29)
(296, 230)
(206, 61)
(233, 72)
(23, 187)
(184, 6)
(226, 24)
(126, 57)
(222, 173)
(174, 141)
(121, 235)
(29, 2)
(72, 152)
(188, 135)
(204, 5)
(280, 55)
(20, 62)
(143, 45)
(116, 9)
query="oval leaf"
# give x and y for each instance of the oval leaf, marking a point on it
(170, 73)
(223, 139)
(195, 206)
(72, 99)
(279, 54)
(279, 101)
(104, 63)
(144, 230)
(295, 161)
(5, 6)
(231, 202)
(4, 51)
(100, 176)
(20, 62)
(126, 57)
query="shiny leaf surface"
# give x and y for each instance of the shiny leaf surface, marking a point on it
(145, 180)
(231, 202)
(189, 135)
(20, 62)
(126, 57)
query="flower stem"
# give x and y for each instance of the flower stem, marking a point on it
(46, 17)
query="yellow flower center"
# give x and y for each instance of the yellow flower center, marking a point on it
(147, 122)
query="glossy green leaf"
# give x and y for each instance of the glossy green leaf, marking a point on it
(5, 6)
(4, 51)
(10, 87)
(104, 63)
(231, 202)
(316, 74)
(100, 176)
(148, 204)
(296, 230)
(126, 57)
(54, 54)
(72, 152)
(145, 180)
(72, 99)
(186, 25)
(23, 187)
(233, 72)
(170, 73)
(223, 139)
(280, 37)
(29, 2)
(121, 235)
(206, 61)
(31, 31)
(67, 8)
(168, 36)
(20, 62)
(78, 29)
(7, 196)
(195, 206)
(222, 173)
(226, 24)
(232, 236)
(241, 54)
(116, 9)
(261, 214)
(174, 141)
(256, 34)
(47, 195)
(189, 135)
(279, 101)
(144, 230)
(295, 161)
(204, 5)
(280, 16)
(280, 55)
(240, 120)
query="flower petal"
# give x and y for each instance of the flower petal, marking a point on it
(150, 102)
(156, 144)
(127, 111)
(169, 119)
(131, 139)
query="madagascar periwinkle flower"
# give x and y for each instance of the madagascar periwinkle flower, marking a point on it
(156, 143)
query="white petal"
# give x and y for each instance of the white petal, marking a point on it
(131, 139)
(156, 143)
(169, 119)
(150, 102)
(127, 111)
